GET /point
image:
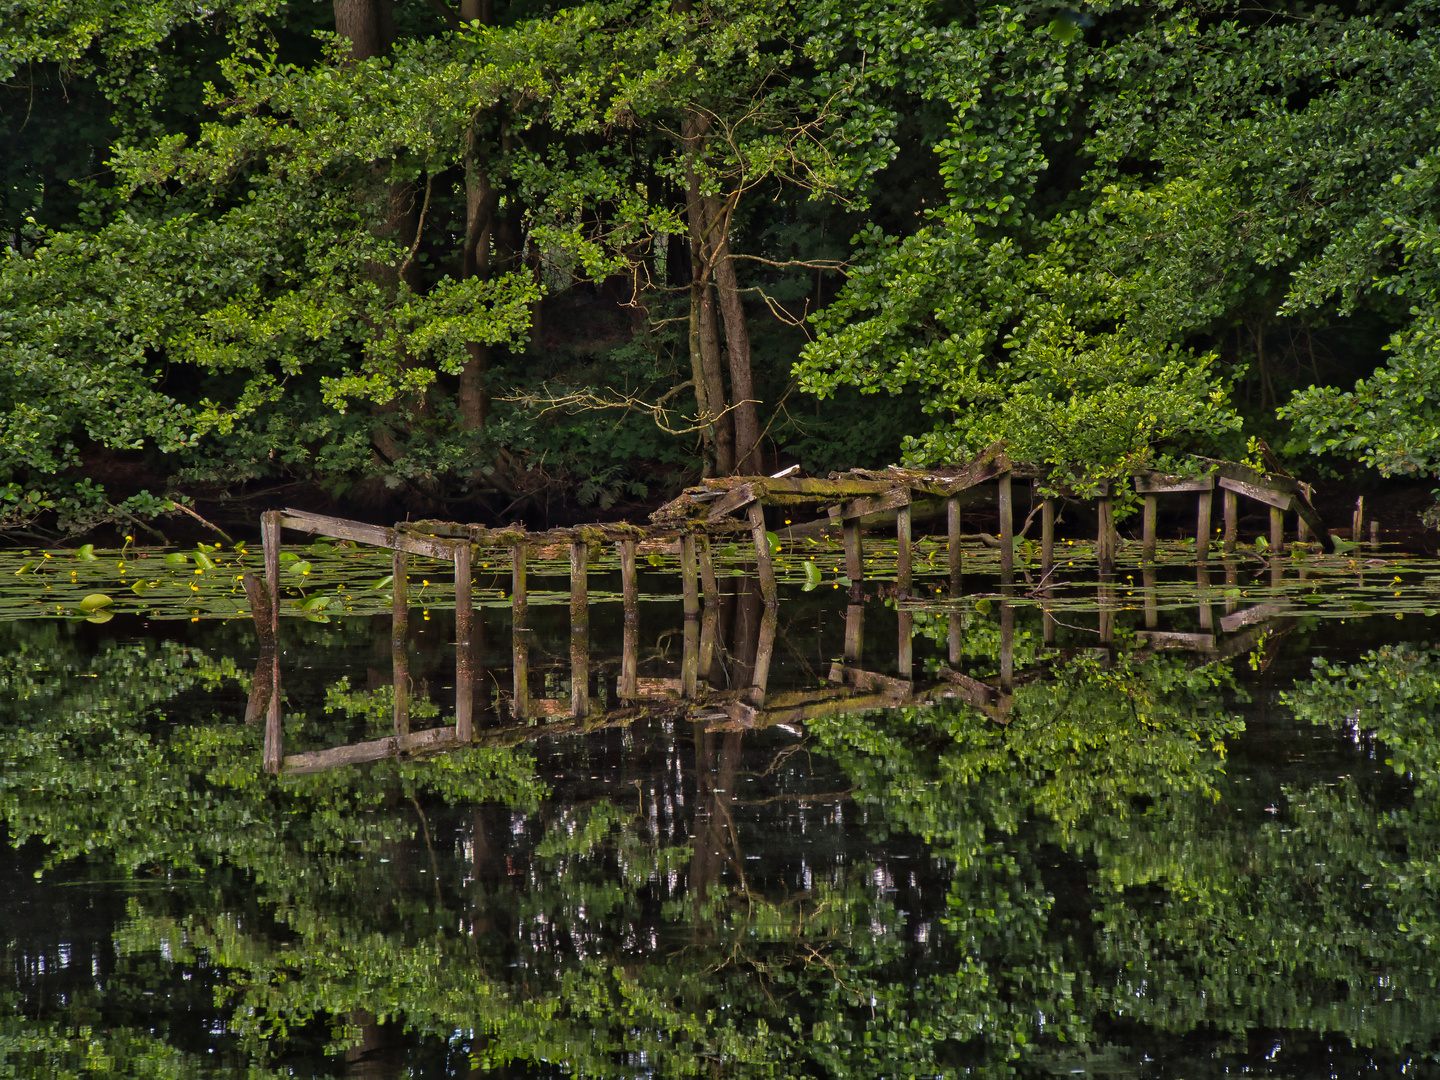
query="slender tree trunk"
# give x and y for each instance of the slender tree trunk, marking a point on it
(697, 377)
(369, 27)
(737, 345)
(482, 198)
(715, 380)
(704, 334)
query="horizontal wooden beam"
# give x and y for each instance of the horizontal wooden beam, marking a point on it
(1167, 639)
(1259, 613)
(1282, 500)
(1149, 483)
(373, 535)
(854, 508)
(441, 738)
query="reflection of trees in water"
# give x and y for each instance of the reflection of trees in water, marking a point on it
(1054, 890)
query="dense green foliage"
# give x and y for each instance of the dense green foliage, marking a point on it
(475, 255)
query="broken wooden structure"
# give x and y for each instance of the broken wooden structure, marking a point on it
(701, 694)
(719, 507)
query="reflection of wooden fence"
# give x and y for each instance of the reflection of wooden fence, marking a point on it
(713, 508)
(698, 694)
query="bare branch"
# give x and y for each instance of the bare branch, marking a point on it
(586, 401)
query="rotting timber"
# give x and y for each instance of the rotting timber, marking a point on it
(736, 505)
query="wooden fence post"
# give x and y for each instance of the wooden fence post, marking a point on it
(1105, 536)
(1007, 529)
(630, 592)
(1232, 520)
(854, 556)
(1047, 536)
(579, 628)
(763, 563)
(270, 541)
(708, 585)
(464, 647)
(519, 616)
(902, 551)
(952, 530)
(399, 631)
(1147, 541)
(1202, 525)
(689, 577)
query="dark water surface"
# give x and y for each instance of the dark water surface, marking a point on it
(1065, 861)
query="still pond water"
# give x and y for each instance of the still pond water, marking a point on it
(1058, 849)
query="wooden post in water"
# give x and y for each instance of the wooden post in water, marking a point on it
(1374, 534)
(689, 577)
(630, 592)
(765, 649)
(1007, 530)
(763, 564)
(270, 541)
(1047, 536)
(854, 633)
(1007, 647)
(1105, 535)
(709, 627)
(1277, 530)
(1147, 578)
(274, 752)
(1105, 597)
(903, 569)
(399, 631)
(1302, 527)
(1147, 541)
(708, 586)
(464, 647)
(905, 654)
(1202, 597)
(690, 658)
(1202, 525)
(952, 531)
(957, 571)
(579, 628)
(1232, 586)
(519, 622)
(1357, 521)
(1232, 519)
(854, 556)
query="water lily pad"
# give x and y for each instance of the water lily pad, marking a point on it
(96, 601)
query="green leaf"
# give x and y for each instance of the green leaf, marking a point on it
(812, 576)
(96, 601)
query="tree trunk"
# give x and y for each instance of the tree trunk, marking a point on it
(737, 344)
(369, 27)
(481, 199)
(697, 377)
(704, 331)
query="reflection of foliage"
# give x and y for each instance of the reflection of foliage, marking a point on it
(1022, 886)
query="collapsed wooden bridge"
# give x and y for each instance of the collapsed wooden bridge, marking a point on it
(842, 504)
